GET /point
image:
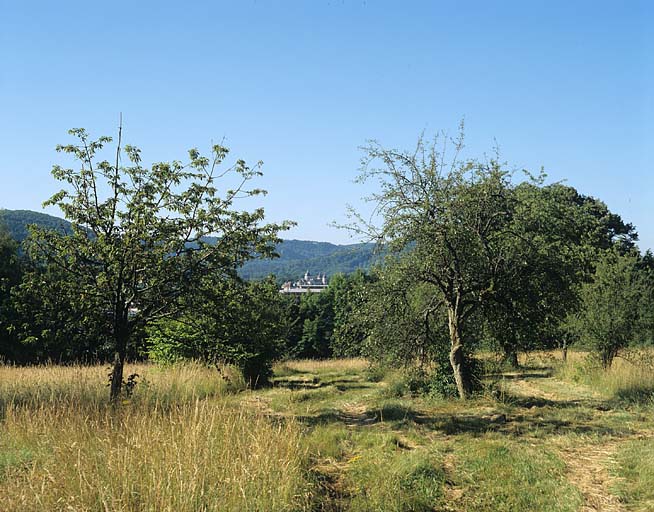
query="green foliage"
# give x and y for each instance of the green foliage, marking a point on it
(547, 259)
(394, 314)
(349, 302)
(316, 314)
(319, 325)
(56, 321)
(229, 321)
(11, 269)
(609, 316)
(171, 341)
(137, 252)
(646, 304)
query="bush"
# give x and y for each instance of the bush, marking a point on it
(171, 341)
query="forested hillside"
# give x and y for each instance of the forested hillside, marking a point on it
(296, 256)
(17, 221)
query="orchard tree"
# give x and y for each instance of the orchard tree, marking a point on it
(449, 218)
(403, 320)
(609, 318)
(556, 236)
(139, 247)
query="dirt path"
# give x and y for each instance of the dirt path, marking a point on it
(588, 464)
(588, 470)
(356, 415)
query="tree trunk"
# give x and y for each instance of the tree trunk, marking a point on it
(511, 357)
(564, 350)
(607, 358)
(121, 335)
(117, 376)
(457, 359)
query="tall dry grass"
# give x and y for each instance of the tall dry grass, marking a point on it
(179, 444)
(630, 378)
(87, 386)
(345, 366)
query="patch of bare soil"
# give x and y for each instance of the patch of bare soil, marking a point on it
(356, 415)
(588, 470)
(452, 493)
(589, 463)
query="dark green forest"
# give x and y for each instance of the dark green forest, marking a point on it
(294, 258)
(476, 258)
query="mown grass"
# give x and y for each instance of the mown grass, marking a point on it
(628, 389)
(499, 474)
(364, 470)
(389, 452)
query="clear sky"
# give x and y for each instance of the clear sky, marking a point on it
(566, 85)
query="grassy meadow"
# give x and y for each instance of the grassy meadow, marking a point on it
(328, 436)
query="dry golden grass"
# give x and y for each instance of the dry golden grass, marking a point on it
(630, 378)
(88, 385)
(322, 366)
(176, 446)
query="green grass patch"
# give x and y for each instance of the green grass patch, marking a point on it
(636, 472)
(14, 457)
(512, 476)
(374, 470)
(390, 478)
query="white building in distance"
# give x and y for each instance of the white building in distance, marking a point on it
(307, 284)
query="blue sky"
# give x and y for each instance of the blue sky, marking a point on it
(301, 85)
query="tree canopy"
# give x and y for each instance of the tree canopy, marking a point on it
(137, 247)
(475, 251)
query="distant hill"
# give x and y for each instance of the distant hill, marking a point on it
(17, 221)
(296, 256)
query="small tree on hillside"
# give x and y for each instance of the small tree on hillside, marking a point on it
(138, 245)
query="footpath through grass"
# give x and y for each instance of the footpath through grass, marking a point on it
(328, 436)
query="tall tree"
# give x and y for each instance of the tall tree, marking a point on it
(138, 249)
(449, 218)
(557, 235)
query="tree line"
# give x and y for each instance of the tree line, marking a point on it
(476, 257)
